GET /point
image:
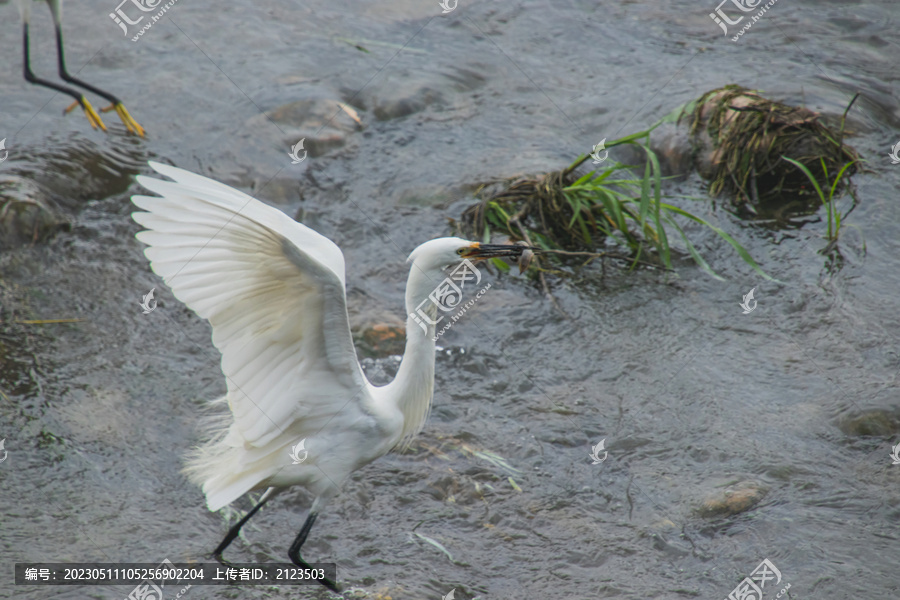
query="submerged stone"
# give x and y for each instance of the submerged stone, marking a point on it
(735, 499)
(322, 123)
(27, 214)
(871, 423)
(382, 340)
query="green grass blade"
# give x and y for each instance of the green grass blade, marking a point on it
(486, 238)
(815, 183)
(657, 201)
(581, 180)
(838, 178)
(630, 139)
(693, 251)
(809, 176)
(613, 208)
(734, 243)
(500, 264)
(645, 194)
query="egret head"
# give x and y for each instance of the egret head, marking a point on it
(441, 253)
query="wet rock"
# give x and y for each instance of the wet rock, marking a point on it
(873, 422)
(27, 214)
(382, 340)
(404, 94)
(665, 538)
(323, 123)
(280, 191)
(672, 145)
(736, 498)
(398, 103)
(736, 138)
(427, 196)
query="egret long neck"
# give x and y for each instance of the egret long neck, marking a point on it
(413, 387)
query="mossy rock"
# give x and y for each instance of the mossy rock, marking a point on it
(871, 423)
(739, 139)
(27, 215)
(735, 499)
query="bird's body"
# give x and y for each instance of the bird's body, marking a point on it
(274, 292)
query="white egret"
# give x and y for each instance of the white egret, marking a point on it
(93, 118)
(274, 292)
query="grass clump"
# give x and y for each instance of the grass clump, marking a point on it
(566, 213)
(760, 151)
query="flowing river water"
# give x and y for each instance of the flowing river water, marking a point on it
(792, 408)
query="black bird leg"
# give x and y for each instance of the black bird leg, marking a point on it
(294, 552)
(236, 529)
(92, 116)
(115, 103)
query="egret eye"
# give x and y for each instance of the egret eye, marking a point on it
(460, 251)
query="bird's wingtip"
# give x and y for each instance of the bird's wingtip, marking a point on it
(145, 182)
(167, 170)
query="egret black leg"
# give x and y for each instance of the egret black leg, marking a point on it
(235, 530)
(61, 59)
(92, 117)
(115, 103)
(294, 552)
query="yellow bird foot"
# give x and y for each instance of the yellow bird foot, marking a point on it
(89, 112)
(130, 124)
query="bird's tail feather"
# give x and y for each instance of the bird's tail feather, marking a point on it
(215, 465)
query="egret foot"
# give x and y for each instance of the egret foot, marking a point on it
(89, 112)
(222, 561)
(130, 124)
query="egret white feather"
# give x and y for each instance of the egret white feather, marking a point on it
(273, 291)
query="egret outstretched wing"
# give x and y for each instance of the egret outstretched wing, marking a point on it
(273, 291)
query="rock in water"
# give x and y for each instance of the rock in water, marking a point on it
(27, 214)
(736, 139)
(735, 499)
